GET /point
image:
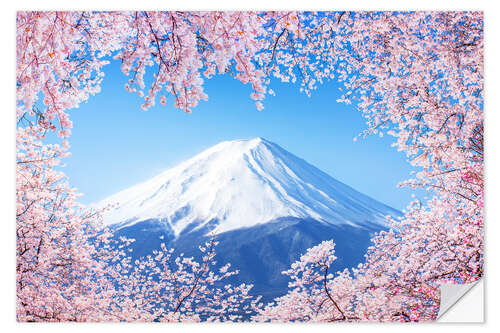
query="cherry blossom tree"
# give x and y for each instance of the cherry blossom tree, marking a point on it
(313, 296)
(417, 76)
(61, 55)
(162, 289)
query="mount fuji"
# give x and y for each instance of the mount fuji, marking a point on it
(264, 205)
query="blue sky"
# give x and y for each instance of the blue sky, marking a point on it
(115, 144)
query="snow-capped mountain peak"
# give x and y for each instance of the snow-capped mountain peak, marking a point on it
(243, 183)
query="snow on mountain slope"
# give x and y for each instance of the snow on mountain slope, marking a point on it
(243, 183)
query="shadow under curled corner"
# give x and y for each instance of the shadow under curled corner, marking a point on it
(462, 303)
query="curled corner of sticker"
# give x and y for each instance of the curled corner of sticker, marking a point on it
(451, 294)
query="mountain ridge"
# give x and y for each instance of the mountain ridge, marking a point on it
(243, 183)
